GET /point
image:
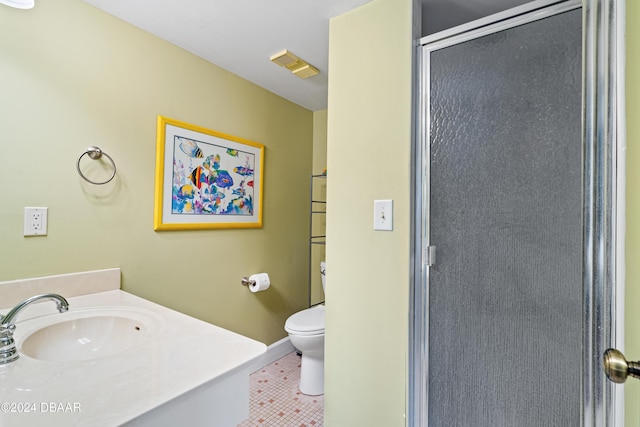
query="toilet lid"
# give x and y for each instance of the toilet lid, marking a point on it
(306, 322)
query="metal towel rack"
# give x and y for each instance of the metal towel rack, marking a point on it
(96, 153)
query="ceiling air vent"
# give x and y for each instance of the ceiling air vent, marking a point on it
(297, 66)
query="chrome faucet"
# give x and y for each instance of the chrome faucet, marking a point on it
(8, 352)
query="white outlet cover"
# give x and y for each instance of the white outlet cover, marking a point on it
(35, 221)
(383, 215)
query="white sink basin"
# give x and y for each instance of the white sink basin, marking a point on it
(84, 334)
(93, 358)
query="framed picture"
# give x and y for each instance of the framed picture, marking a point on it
(206, 179)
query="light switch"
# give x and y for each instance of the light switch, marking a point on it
(383, 215)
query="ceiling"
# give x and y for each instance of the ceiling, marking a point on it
(241, 35)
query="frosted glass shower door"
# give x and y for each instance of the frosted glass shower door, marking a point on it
(505, 216)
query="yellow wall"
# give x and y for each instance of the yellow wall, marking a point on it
(369, 142)
(632, 282)
(319, 141)
(72, 76)
(319, 193)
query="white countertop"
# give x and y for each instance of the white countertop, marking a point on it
(177, 354)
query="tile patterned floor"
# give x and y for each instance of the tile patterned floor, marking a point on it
(275, 400)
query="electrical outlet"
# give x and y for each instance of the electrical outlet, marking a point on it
(35, 221)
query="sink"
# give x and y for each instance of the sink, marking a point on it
(97, 368)
(84, 334)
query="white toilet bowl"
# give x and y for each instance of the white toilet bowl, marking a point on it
(306, 331)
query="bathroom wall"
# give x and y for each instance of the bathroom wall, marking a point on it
(632, 282)
(369, 142)
(319, 193)
(72, 76)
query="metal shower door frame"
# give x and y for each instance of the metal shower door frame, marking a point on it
(603, 199)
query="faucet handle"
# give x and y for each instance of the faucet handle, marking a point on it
(8, 351)
(10, 327)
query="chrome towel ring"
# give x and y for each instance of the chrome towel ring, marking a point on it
(96, 153)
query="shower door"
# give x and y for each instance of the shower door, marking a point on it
(505, 223)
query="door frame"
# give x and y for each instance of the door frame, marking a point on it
(603, 205)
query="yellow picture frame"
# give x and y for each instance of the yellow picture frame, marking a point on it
(206, 179)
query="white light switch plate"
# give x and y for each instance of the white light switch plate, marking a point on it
(383, 215)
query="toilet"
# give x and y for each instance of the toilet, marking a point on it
(306, 332)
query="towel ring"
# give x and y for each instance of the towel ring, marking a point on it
(96, 153)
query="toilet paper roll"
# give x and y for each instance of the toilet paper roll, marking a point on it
(260, 281)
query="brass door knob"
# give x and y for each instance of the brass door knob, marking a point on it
(618, 368)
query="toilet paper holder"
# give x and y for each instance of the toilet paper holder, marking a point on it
(247, 282)
(257, 282)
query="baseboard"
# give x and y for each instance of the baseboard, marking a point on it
(275, 351)
(278, 350)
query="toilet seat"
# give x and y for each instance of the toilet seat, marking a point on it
(306, 322)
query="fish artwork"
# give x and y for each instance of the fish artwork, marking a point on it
(199, 177)
(223, 179)
(212, 163)
(240, 191)
(212, 179)
(190, 148)
(187, 192)
(243, 170)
